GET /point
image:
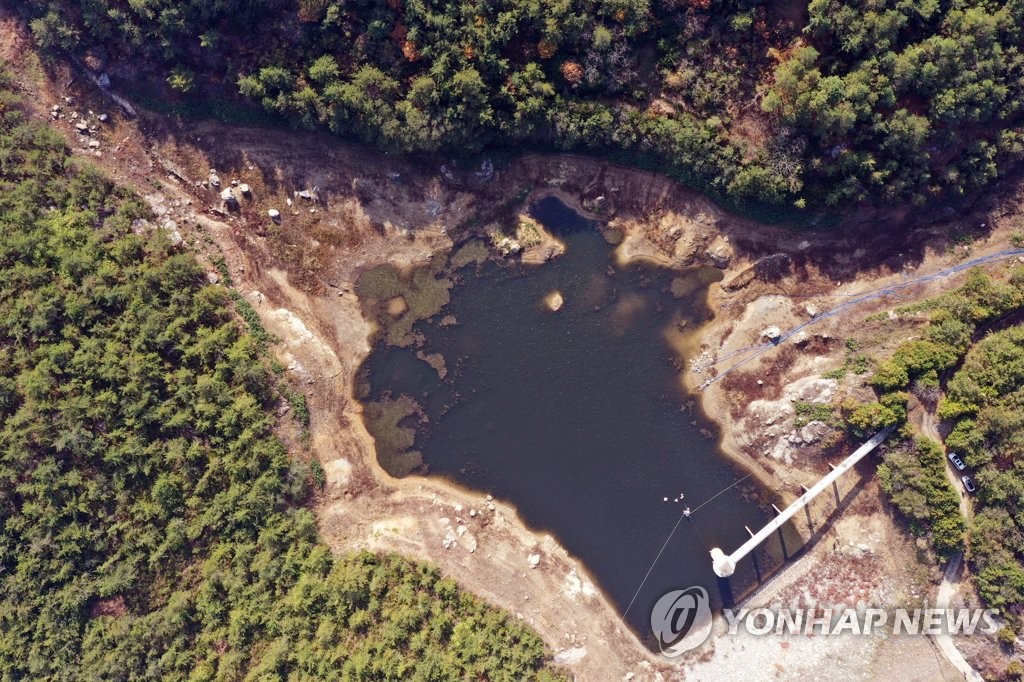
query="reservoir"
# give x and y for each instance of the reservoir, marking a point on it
(577, 417)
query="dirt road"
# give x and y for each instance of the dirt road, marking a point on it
(929, 427)
(950, 577)
(949, 585)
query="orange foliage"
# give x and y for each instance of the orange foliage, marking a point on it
(409, 50)
(547, 49)
(572, 72)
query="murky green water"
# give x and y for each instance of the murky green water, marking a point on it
(576, 417)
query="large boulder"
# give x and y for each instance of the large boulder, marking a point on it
(229, 199)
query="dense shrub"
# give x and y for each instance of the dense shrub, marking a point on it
(986, 398)
(914, 477)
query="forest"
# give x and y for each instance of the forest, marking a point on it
(986, 403)
(758, 103)
(971, 347)
(153, 525)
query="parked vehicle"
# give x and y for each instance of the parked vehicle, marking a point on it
(968, 484)
(957, 462)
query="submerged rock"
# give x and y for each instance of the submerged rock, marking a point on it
(554, 301)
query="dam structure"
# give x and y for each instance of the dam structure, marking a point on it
(724, 564)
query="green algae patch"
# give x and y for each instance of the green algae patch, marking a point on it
(424, 290)
(387, 420)
(474, 251)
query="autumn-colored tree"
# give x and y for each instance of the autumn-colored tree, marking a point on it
(572, 72)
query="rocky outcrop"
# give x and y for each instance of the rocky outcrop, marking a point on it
(554, 301)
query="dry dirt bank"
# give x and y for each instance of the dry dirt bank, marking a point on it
(370, 208)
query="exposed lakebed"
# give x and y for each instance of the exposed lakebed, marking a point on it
(577, 416)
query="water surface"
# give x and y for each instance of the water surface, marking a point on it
(578, 418)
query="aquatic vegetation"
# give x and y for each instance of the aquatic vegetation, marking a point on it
(473, 251)
(394, 441)
(425, 291)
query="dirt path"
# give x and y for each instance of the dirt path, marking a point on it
(929, 427)
(950, 577)
(950, 584)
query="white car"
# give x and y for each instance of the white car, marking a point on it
(957, 462)
(968, 484)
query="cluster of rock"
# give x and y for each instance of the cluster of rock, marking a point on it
(457, 532)
(778, 418)
(231, 197)
(87, 124)
(507, 246)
